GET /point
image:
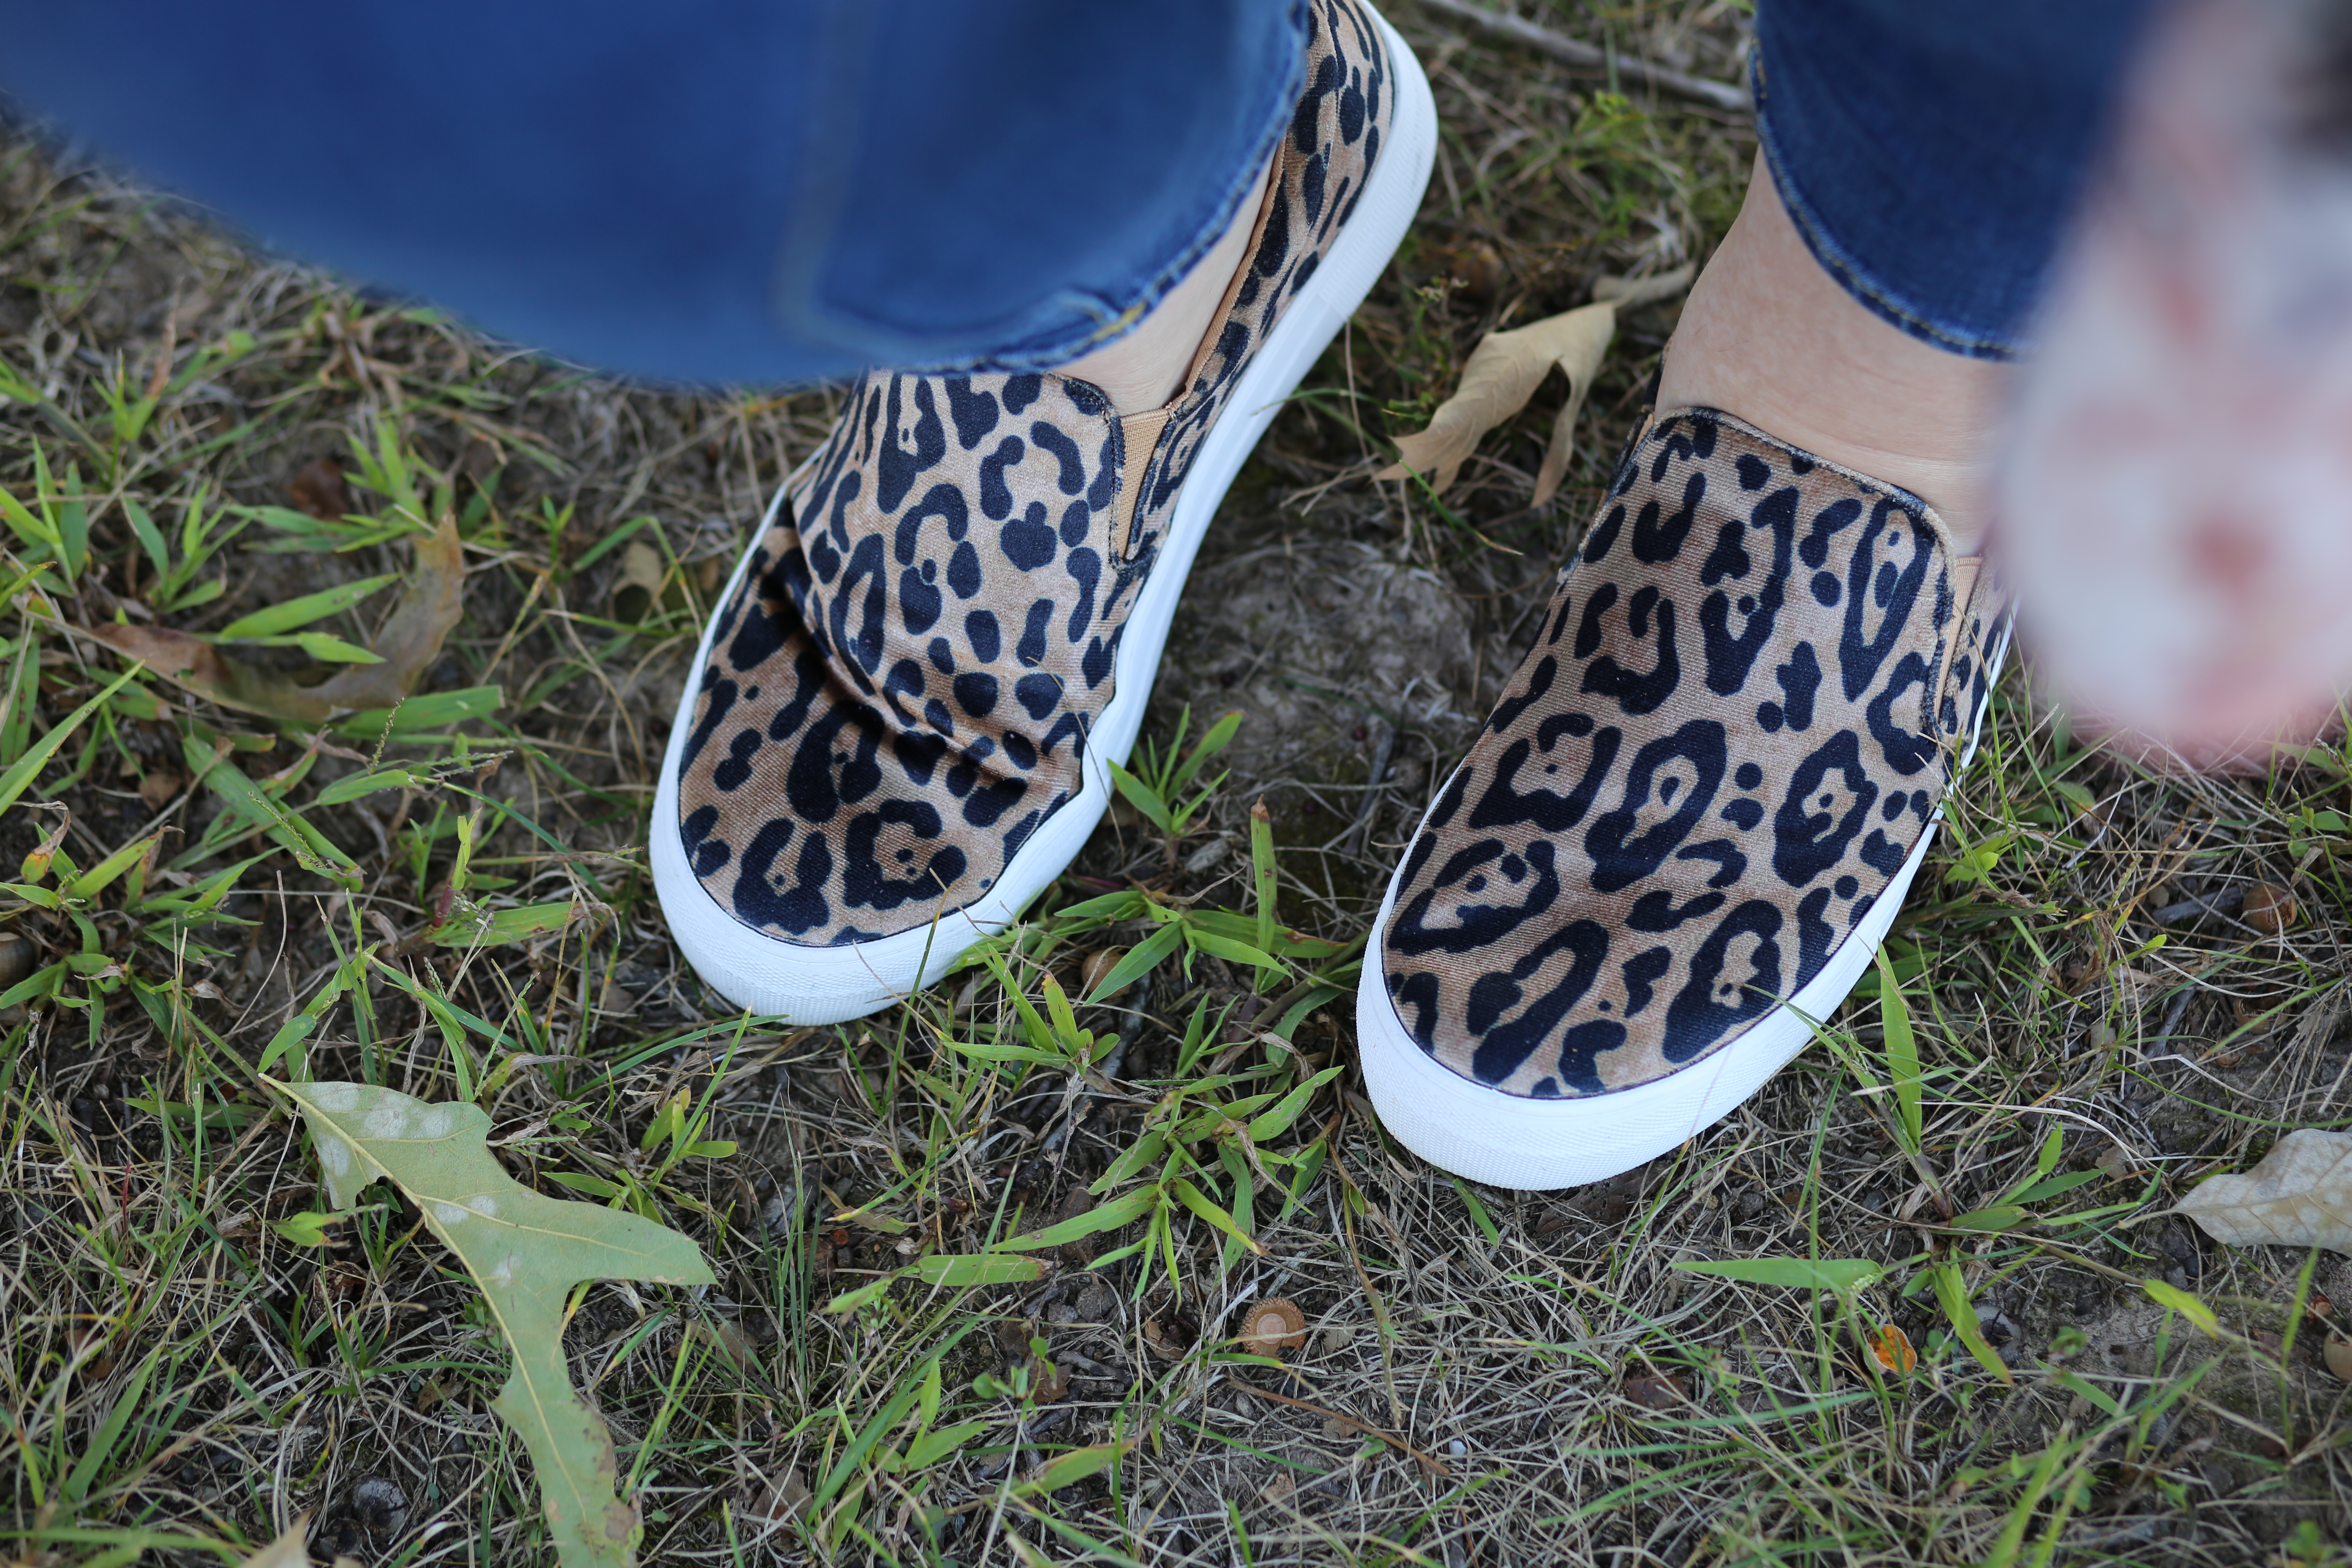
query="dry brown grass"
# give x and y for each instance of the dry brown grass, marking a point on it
(1489, 1378)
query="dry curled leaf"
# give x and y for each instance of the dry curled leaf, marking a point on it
(318, 488)
(786, 1497)
(638, 583)
(427, 612)
(1655, 1391)
(36, 866)
(1504, 372)
(2300, 1195)
(290, 1550)
(2268, 907)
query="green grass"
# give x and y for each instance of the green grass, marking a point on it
(981, 1259)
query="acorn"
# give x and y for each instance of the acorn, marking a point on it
(1273, 1328)
(15, 958)
(2268, 907)
(1099, 963)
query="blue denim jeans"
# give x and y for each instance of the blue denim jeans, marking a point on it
(777, 191)
(750, 191)
(1930, 153)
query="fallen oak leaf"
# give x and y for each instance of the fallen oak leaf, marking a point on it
(1625, 293)
(429, 609)
(526, 1251)
(2299, 1195)
(1504, 372)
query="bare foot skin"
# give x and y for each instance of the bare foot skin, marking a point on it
(1770, 337)
(1143, 370)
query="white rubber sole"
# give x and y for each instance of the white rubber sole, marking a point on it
(1510, 1141)
(832, 984)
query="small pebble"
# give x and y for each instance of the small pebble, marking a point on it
(1206, 855)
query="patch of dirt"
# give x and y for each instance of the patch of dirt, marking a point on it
(1342, 660)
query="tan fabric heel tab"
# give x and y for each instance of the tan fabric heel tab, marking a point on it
(1139, 435)
(1269, 199)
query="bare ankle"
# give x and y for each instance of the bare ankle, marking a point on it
(1770, 337)
(1145, 368)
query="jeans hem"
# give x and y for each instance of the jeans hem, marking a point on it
(1865, 289)
(1108, 327)
(1099, 321)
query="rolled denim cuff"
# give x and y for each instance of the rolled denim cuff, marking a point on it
(1088, 220)
(1931, 156)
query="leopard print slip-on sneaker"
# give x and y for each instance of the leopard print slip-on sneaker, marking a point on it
(1691, 818)
(951, 617)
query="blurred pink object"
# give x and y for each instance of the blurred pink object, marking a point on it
(2174, 502)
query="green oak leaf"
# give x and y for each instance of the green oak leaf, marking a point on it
(526, 1251)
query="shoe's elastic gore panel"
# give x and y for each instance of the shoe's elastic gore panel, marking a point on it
(1966, 573)
(1140, 433)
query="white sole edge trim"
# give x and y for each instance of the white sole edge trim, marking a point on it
(1534, 1145)
(833, 985)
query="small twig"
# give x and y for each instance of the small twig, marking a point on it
(1379, 776)
(2173, 1014)
(2203, 903)
(1435, 1467)
(1338, 1167)
(1728, 95)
